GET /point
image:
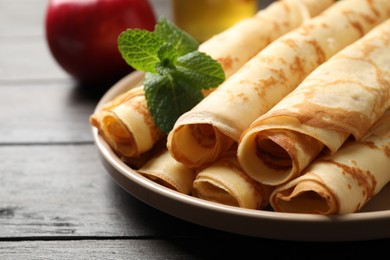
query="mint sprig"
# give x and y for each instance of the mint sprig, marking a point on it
(176, 72)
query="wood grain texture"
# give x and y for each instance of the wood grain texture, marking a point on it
(25, 60)
(186, 248)
(22, 19)
(50, 112)
(23, 49)
(63, 190)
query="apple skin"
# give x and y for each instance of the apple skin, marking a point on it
(82, 35)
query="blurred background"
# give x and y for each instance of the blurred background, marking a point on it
(27, 34)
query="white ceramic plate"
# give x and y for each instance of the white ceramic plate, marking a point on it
(371, 223)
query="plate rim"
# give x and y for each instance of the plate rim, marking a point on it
(257, 223)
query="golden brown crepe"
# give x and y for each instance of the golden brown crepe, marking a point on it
(204, 133)
(345, 96)
(343, 182)
(126, 122)
(225, 182)
(165, 170)
(236, 45)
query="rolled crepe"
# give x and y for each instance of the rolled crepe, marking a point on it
(236, 45)
(168, 172)
(127, 124)
(343, 182)
(343, 97)
(205, 132)
(225, 182)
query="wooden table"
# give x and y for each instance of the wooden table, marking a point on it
(57, 201)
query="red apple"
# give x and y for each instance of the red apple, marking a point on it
(82, 35)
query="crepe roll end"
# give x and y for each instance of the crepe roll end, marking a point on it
(197, 144)
(264, 159)
(168, 172)
(117, 135)
(307, 196)
(226, 183)
(276, 156)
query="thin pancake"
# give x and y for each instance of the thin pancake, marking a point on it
(343, 97)
(268, 77)
(225, 182)
(343, 182)
(165, 170)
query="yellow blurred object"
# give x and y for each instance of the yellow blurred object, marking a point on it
(205, 18)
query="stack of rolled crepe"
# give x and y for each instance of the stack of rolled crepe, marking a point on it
(345, 96)
(350, 91)
(203, 134)
(126, 123)
(343, 182)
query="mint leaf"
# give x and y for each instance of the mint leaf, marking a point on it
(139, 48)
(182, 41)
(176, 73)
(201, 70)
(168, 97)
(177, 87)
(167, 56)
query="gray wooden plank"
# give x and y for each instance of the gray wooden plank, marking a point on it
(102, 249)
(22, 19)
(28, 60)
(44, 113)
(188, 248)
(63, 190)
(24, 54)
